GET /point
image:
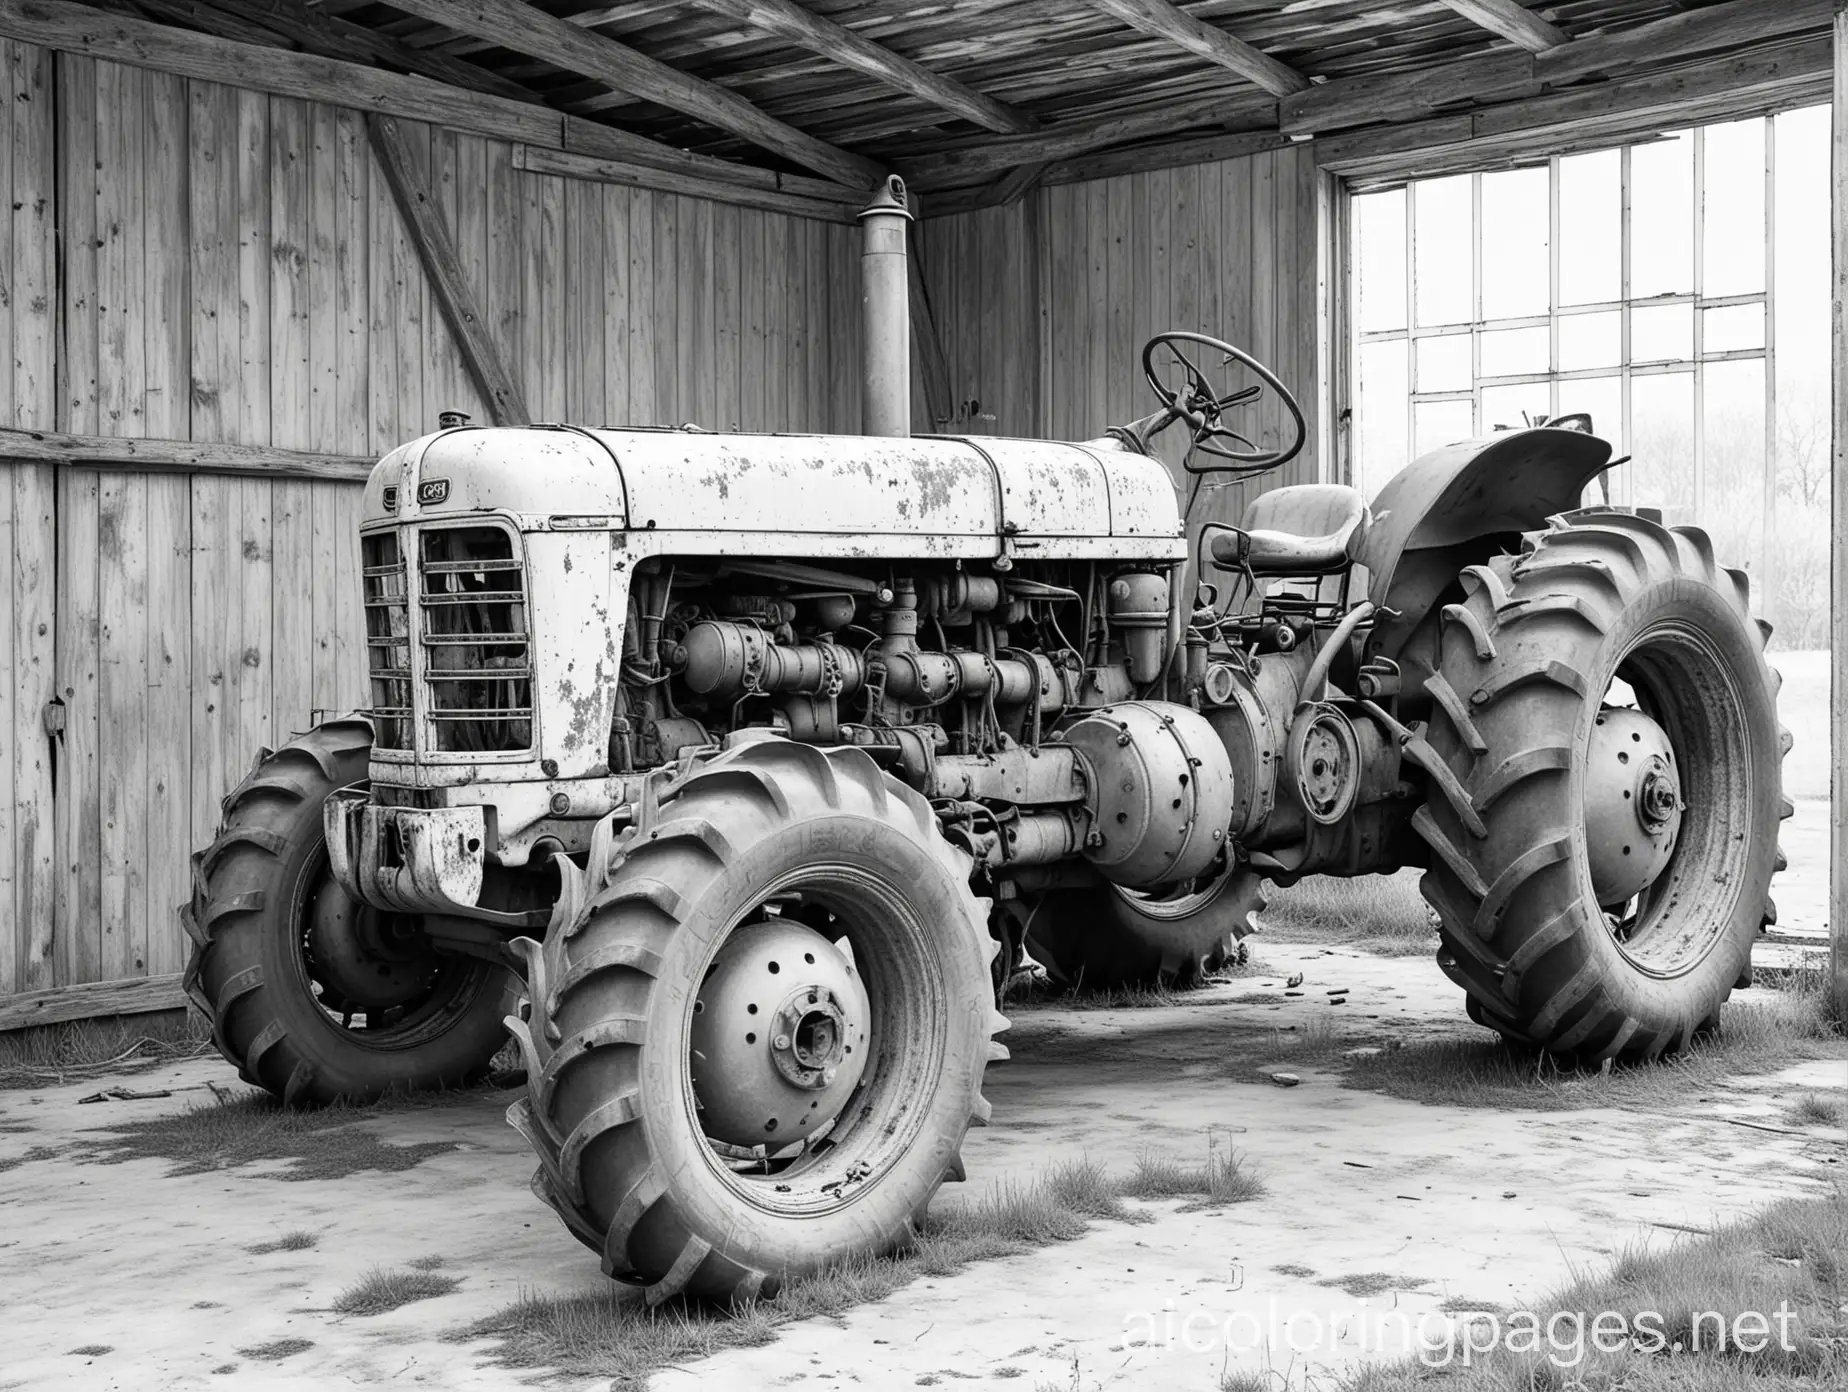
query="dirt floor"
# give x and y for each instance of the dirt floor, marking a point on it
(124, 1266)
(1373, 1204)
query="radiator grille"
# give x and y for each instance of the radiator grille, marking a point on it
(477, 662)
(388, 640)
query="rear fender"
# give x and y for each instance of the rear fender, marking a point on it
(1458, 506)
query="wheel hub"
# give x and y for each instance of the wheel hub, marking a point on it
(1633, 803)
(779, 1034)
(370, 960)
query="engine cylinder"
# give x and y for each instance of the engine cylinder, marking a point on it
(1160, 792)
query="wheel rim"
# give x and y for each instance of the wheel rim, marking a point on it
(1681, 682)
(1178, 901)
(442, 987)
(906, 1025)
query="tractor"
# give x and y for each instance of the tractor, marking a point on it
(733, 773)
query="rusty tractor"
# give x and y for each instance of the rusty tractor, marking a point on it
(734, 772)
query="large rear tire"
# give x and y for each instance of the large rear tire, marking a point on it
(770, 838)
(1109, 937)
(1526, 662)
(276, 1015)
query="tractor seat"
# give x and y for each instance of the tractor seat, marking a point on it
(1305, 529)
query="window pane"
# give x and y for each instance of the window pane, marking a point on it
(1507, 352)
(1590, 228)
(1733, 462)
(1732, 328)
(1379, 260)
(1602, 399)
(1662, 217)
(1733, 189)
(1510, 408)
(1436, 423)
(1662, 443)
(1385, 399)
(1515, 218)
(1443, 261)
(1444, 363)
(1590, 340)
(1664, 333)
(1801, 584)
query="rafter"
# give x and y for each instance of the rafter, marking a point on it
(315, 31)
(1167, 21)
(788, 21)
(1513, 21)
(1503, 76)
(524, 29)
(973, 163)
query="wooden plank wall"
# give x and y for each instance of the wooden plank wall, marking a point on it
(234, 269)
(1045, 330)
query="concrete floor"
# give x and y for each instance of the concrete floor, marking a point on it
(1438, 1203)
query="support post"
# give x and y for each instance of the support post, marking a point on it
(885, 291)
(1838, 541)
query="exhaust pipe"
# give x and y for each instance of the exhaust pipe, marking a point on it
(885, 307)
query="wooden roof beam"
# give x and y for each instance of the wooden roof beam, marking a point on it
(1513, 21)
(319, 32)
(790, 22)
(1167, 21)
(1498, 77)
(968, 164)
(516, 25)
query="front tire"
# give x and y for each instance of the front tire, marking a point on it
(1525, 665)
(787, 840)
(429, 1021)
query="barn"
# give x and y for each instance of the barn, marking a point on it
(251, 246)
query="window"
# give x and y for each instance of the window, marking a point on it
(1676, 290)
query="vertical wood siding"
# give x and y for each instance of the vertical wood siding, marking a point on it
(1044, 335)
(181, 260)
(193, 261)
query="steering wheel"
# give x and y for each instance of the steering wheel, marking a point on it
(1200, 404)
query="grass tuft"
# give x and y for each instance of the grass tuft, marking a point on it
(1820, 1109)
(323, 1144)
(276, 1349)
(297, 1241)
(613, 1334)
(1787, 1257)
(1223, 1179)
(46, 1055)
(91, 1350)
(381, 1291)
(1761, 1034)
(1384, 915)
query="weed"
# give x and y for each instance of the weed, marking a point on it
(1384, 915)
(1820, 1109)
(38, 1152)
(297, 1241)
(613, 1333)
(276, 1349)
(381, 1291)
(324, 1144)
(1364, 1284)
(1788, 1257)
(49, 1054)
(1755, 1036)
(1223, 1179)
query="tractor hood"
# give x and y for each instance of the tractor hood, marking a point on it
(996, 493)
